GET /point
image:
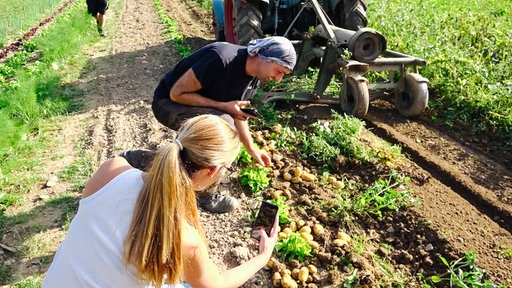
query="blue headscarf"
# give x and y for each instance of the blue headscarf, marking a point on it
(276, 49)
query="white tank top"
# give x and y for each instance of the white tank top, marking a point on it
(91, 253)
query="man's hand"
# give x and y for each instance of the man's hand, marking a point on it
(262, 157)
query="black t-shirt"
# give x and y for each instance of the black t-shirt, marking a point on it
(219, 67)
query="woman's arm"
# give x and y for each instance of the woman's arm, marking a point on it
(201, 272)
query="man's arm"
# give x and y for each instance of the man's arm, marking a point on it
(245, 136)
(184, 91)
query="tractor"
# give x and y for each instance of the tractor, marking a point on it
(324, 32)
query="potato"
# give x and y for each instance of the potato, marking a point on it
(339, 242)
(318, 229)
(287, 176)
(295, 273)
(276, 279)
(303, 274)
(275, 194)
(306, 236)
(288, 231)
(259, 139)
(339, 184)
(301, 223)
(344, 236)
(288, 282)
(287, 194)
(293, 226)
(332, 180)
(285, 272)
(271, 262)
(297, 171)
(282, 235)
(306, 229)
(308, 177)
(314, 245)
(296, 179)
(312, 269)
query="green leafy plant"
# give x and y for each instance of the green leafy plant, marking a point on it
(284, 209)
(293, 247)
(254, 177)
(464, 273)
(382, 196)
(243, 157)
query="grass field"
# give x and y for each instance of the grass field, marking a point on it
(468, 49)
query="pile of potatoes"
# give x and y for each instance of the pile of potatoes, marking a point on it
(290, 279)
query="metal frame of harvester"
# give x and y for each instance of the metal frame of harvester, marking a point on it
(368, 50)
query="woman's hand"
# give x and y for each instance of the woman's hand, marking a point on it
(268, 242)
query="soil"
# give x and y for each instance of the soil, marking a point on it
(462, 180)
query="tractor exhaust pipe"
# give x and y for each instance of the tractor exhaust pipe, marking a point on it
(365, 44)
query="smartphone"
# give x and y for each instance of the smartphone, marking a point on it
(265, 219)
(251, 110)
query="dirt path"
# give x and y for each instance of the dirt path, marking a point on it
(465, 196)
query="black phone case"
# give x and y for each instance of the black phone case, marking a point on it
(251, 110)
(264, 219)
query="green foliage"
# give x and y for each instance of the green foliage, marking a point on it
(463, 273)
(172, 30)
(254, 177)
(468, 49)
(19, 16)
(31, 92)
(68, 204)
(30, 282)
(243, 157)
(284, 209)
(5, 274)
(293, 247)
(382, 196)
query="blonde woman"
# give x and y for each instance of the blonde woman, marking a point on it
(136, 228)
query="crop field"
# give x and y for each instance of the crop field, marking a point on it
(383, 201)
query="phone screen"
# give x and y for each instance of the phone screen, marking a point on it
(264, 219)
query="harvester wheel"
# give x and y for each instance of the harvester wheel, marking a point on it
(242, 24)
(355, 97)
(413, 99)
(351, 14)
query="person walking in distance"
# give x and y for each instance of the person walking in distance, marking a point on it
(97, 9)
(219, 79)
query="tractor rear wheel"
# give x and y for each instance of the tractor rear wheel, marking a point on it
(242, 21)
(351, 14)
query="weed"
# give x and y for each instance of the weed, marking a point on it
(382, 196)
(29, 282)
(463, 273)
(172, 30)
(5, 274)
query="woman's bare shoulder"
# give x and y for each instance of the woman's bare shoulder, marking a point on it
(107, 171)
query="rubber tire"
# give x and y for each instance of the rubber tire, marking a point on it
(357, 97)
(242, 24)
(413, 100)
(351, 14)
